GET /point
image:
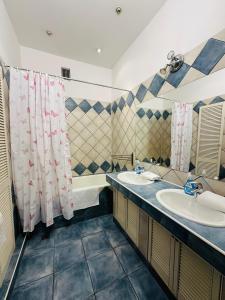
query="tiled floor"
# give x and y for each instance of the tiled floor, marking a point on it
(88, 260)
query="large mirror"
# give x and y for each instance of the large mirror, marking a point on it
(185, 128)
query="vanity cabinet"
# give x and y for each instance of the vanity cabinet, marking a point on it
(143, 237)
(120, 209)
(197, 279)
(186, 274)
(133, 221)
(161, 252)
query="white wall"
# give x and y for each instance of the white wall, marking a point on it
(9, 46)
(179, 25)
(49, 63)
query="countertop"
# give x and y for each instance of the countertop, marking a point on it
(207, 241)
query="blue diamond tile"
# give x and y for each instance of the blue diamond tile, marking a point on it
(198, 106)
(157, 114)
(108, 109)
(70, 104)
(167, 162)
(124, 168)
(105, 166)
(191, 166)
(85, 106)
(156, 84)
(175, 78)
(149, 114)
(210, 55)
(141, 113)
(117, 167)
(98, 107)
(93, 167)
(79, 169)
(217, 100)
(122, 103)
(165, 114)
(222, 172)
(141, 93)
(114, 107)
(130, 99)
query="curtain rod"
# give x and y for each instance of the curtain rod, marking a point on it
(73, 79)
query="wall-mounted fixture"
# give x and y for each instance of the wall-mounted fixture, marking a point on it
(99, 50)
(49, 32)
(176, 62)
(65, 72)
(118, 10)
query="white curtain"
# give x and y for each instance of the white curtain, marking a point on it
(40, 151)
(181, 136)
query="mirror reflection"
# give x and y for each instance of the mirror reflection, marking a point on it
(184, 131)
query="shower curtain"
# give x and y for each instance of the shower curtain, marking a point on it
(181, 136)
(39, 148)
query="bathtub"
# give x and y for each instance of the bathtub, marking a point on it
(86, 190)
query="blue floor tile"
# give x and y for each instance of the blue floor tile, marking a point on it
(128, 258)
(116, 237)
(106, 221)
(89, 227)
(73, 283)
(145, 285)
(66, 234)
(34, 267)
(95, 244)
(67, 255)
(104, 269)
(119, 289)
(41, 289)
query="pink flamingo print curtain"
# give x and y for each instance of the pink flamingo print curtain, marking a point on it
(39, 148)
(181, 136)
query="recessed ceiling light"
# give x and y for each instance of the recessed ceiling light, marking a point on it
(49, 32)
(99, 50)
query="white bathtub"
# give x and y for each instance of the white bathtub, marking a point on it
(86, 190)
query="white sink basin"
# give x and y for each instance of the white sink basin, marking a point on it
(188, 207)
(133, 178)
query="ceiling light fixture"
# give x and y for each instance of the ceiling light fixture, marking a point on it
(118, 10)
(99, 50)
(49, 32)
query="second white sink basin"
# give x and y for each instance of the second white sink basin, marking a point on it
(133, 178)
(188, 207)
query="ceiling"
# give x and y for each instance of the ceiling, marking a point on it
(81, 26)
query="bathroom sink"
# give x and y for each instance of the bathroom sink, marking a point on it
(188, 207)
(133, 178)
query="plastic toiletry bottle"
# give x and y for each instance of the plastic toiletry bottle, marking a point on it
(138, 169)
(190, 186)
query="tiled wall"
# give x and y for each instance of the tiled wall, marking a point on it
(205, 59)
(90, 136)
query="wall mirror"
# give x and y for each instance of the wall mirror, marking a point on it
(156, 118)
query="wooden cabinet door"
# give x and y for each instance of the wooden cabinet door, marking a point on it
(162, 252)
(121, 210)
(143, 233)
(133, 221)
(197, 279)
